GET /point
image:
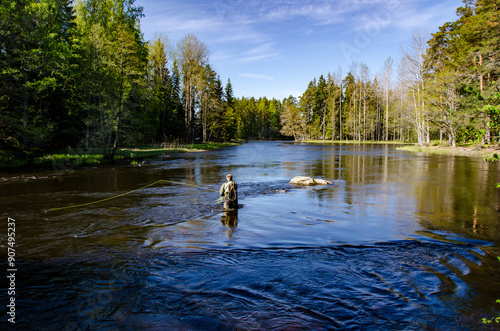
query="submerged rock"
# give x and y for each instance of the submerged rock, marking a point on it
(303, 180)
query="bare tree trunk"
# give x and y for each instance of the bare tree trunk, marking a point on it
(118, 116)
(25, 105)
(333, 117)
(324, 122)
(340, 110)
(364, 117)
(204, 120)
(359, 113)
(387, 73)
(487, 129)
(101, 115)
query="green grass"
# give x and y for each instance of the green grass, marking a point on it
(423, 149)
(313, 141)
(70, 157)
(463, 149)
(156, 151)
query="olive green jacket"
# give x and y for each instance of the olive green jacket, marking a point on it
(226, 187)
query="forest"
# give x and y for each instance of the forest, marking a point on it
(80, 74)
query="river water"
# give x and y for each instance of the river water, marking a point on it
(400, 241)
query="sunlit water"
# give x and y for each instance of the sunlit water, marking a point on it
(399, 241)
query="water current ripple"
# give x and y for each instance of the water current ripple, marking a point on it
(395, 285)
(399, 242)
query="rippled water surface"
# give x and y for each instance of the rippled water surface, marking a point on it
(399, 241)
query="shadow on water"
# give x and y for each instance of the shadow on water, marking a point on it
(399, 241)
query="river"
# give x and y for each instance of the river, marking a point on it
(399, 241)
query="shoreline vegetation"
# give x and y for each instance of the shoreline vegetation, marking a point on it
(488, 153)
(136, 155)
(133, 155)
(87, 77)
(351, 142)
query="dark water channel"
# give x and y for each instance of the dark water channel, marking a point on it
(399, 242)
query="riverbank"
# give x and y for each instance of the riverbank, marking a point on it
(354, 142)
(77, 157)
(487, 153)
(148, 152)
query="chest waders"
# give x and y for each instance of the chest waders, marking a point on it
(231, 201)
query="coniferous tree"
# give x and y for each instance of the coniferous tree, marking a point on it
(37, 57)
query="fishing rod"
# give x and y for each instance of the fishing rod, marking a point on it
(123, 194)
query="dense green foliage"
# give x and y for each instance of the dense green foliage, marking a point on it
(80, 74)
(462, 66)
(38, 74)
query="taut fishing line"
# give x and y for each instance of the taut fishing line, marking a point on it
(120, 195)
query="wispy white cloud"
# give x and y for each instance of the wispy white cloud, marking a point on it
(241, 20)
(256, 76)
(175, 23)
(222, 55)
(257, 57)
(316, 12)
(249, 52)
(247, 37)
(259, 52)
(243, 35)
(413, 17)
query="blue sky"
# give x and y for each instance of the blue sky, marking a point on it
(275, 48)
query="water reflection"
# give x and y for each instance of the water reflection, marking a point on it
(230, 218)
(400, 241)
(460, 196)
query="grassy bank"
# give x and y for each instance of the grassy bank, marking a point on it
(148, 152)
(489, 153)
(486, 152)
(354, 142)
(74, 157)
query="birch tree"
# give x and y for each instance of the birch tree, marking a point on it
(412, 62)
(388, 72)
(192, 55)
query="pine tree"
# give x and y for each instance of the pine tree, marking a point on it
(37, 57)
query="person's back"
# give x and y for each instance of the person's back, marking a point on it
(229, 190)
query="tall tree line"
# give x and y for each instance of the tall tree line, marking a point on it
(38, 74)
(80, 74)
(462, 68)
(353, 107)
(444, 87)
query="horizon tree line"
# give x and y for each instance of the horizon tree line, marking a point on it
(445, 87)
(81, 74)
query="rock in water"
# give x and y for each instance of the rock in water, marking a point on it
(303, 180)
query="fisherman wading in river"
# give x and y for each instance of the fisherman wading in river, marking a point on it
(229, 190)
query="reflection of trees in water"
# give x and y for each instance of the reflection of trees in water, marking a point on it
(459, 195)
(362, 174)
(446, 192)
(199, 168)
